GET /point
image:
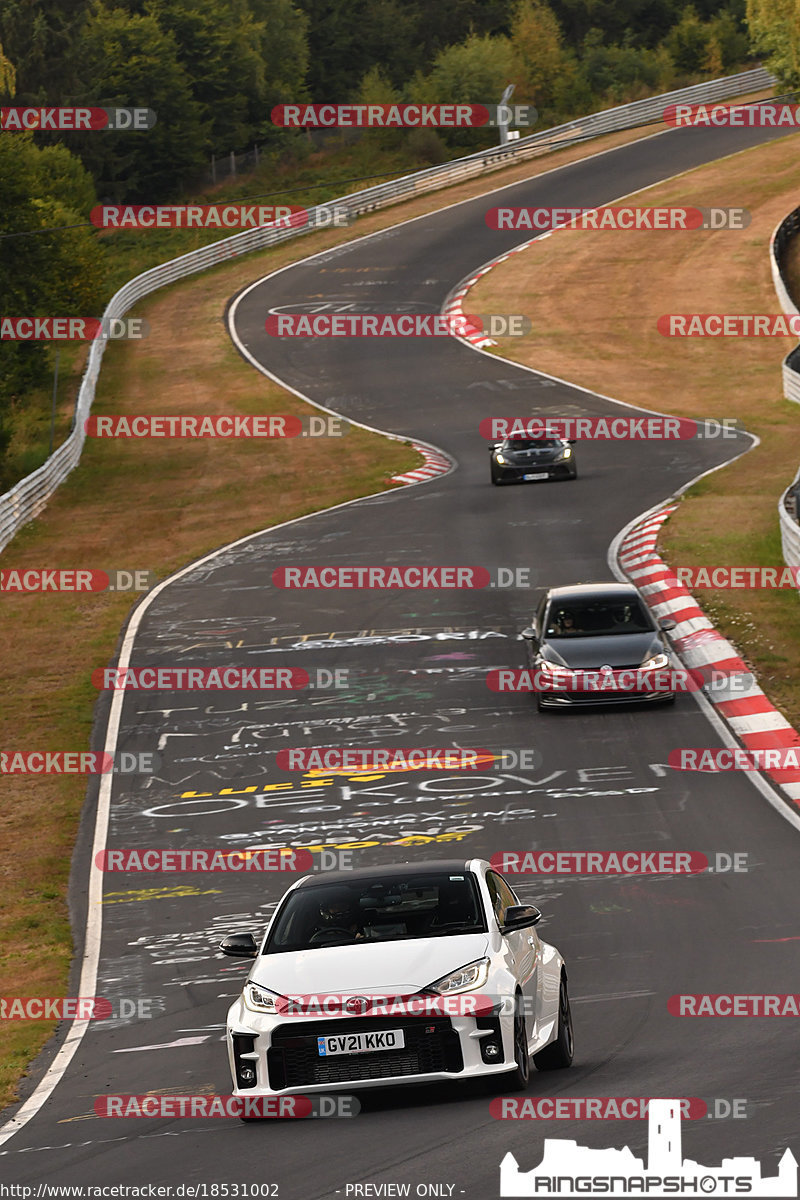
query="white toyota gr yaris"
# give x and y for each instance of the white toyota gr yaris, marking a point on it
(399, 974)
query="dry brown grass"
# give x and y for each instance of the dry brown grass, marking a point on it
(611, 287)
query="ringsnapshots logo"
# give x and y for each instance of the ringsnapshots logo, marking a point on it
(73, 119)
(401, 116)
(567, 1169)
(622, 218)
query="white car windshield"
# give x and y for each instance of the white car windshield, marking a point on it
(380, 908)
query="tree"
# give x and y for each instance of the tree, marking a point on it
(689, 43)
(55, 274)
(541, 64)
(129, 60)
(775, 32)
(218, 44)
(8, 76)
(474, 71)
(40, 40)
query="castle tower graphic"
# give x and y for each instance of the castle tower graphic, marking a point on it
(664, 1138)
(564, 1160)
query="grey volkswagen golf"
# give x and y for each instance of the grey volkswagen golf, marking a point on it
(597, 643)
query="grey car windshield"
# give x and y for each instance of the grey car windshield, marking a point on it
(373, 909)
(597, 618)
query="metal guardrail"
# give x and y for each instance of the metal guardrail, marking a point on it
(27, 498)
(789, 503)
(782, 235)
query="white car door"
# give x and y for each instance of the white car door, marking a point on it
(522, 945)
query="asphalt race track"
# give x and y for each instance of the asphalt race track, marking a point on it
(417, 662)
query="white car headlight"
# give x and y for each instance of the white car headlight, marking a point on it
(465, 979)
(565, 453)
(551, 668)
(656, 663)
(259, 999)
(499, 458)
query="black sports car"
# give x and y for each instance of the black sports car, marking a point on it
(605, 632)
(523, 459)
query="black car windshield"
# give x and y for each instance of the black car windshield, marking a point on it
(597, 618)
(531, 443)
(382, 908)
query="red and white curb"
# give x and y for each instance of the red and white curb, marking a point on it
(453, 303)
(745, 708)
(436, 463)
